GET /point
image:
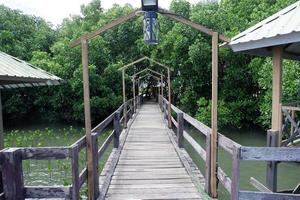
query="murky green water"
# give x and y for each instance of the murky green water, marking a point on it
(58, 172)
(288, 174)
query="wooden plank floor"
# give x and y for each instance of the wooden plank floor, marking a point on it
(149, 166)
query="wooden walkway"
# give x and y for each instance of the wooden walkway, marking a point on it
(150, 166)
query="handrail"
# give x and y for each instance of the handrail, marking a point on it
(11, 162)
(238, 153)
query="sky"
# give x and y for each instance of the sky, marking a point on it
(55, 11)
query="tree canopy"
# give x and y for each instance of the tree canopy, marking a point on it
(245, 81)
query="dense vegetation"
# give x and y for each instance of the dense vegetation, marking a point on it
(245, 81)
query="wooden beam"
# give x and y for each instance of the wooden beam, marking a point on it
(277, 88)
(106, 27)
(169, 105)
(133, 91)
(124, 100)
(160, 64)
(214, 115)
(133, 63)
(87, 117)
(194, 25)
(1, 125)
(145, 70)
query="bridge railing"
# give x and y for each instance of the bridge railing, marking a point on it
(11, 161)
(238, 153)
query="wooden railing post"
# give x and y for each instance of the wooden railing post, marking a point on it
(117, 128)
(95, 164)
(272, 141)
(235, 173)
(12, 174)
(75, 172)
(180, 128)
(208, 164)
(131, 110)
(165, 110)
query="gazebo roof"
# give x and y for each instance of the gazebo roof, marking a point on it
(282, 28)
(15, 73)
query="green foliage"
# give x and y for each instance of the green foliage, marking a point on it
(244, 81)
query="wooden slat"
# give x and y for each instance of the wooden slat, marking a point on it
(105, 145)
(226, 143)
(248, 195)
(224, 179)
(258, 185)
(191, 24)
(271, 154)
(201, 152)
(82, 177)
(81, 143)
(103, 125)
(47, 192)
(106, 27)
(46, 153)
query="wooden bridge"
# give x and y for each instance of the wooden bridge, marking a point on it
(148, 160)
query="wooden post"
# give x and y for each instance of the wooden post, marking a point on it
(277, 87)
(162, 91)
(124, 100)
(95, 165)
(87, 116)
(170, 103)
(207, 164)
(235, 173)
(159, 100)
(180, 129)
(292, 127)
(13, 184)
(214, 115)
(117, 128)
(133, 90)
(1, 125)
(75, 172)
(139, 99)
(272, 141)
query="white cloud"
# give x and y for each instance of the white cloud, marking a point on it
(55, 11)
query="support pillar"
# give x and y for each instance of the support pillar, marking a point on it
(87, 116)
(169, 105)
(214, 115)
(133, 91)
(124, 100)
(277, 88)
(1, 125)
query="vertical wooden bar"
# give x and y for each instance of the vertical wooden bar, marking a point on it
(170, 103)
(235, 173)
(207, 164)
(95, 165)
(139, 102)
(292, 127)
(1, 125)
(75, 172)
(133, 90)
(277, 87)
(272, 141)
(117, 128)
(180, 128)
(124, 100)
(87, 116)
(214, 115)
(162, 91)
(159, 99)
(13, 184)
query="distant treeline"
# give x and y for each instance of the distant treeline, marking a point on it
(244, 81)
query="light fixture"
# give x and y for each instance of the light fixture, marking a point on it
(150, 5)
(151, 28)
(150, 8)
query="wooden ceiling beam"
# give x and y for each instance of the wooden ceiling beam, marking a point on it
(194, 25)
(106, 27)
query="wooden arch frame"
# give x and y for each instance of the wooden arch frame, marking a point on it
(169, 69)
(93, 191)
